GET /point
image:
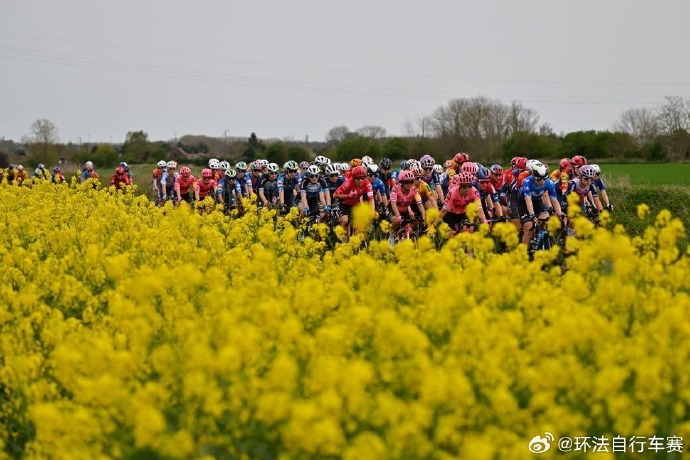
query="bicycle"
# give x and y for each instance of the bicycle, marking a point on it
(540, 240)
(411, 228)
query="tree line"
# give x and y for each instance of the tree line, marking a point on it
(488, 129)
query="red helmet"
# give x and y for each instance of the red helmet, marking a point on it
(405, 175)
(119, 170)
(358, 172)
(461, 158)
(565, 163)
(521, 163)
(579, 160)
(185, 171)
(206, 173)
(513, 161)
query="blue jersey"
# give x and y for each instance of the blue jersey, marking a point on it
(287, 185)
(332, 186)
(311, 189)
(598, 185)
(378, 185)
(530, 187)
(224, 185)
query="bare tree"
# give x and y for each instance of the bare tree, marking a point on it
(374, 132)
(419, 127)
(41, 140)
(641, 123)
(674, 115)
(337, 134)
(520, 118)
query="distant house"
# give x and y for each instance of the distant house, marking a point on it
(180, 155)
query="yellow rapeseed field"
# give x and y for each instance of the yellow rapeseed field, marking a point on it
(130, 331)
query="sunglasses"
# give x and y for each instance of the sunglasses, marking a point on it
(484, 182)
(407, 182)
(465, 186)
(311, 176)
(540, 179)
(496, 174)
(291, 170)
(428, 169)
(385, 169)
(334, 175)
(358, 178)
(242, 170)
(371, 175)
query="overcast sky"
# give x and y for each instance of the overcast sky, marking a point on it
(296, 68)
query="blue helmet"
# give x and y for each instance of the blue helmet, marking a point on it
(482, 173)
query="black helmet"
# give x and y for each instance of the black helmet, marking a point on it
(385, 163)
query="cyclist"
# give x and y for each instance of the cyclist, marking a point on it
(351, 193)
(531, 206)
(229, 192)
(57, 177)
(156, 186)
(120, 179)
(460, 195)
(40, 172)
(378, 187)
(422, 187)
(184, 184)
(268, 187)
(432, 178)
(333, 181)
(598, 189)
(206, 186)
(243, 179)
(385, 175)
(288, 185)
(125, 166)
(488, 194)
(402, 196)
(312, 194)
(89, 172)
(168, 178)
(21, 176)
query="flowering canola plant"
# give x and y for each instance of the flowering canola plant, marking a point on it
(129, 330)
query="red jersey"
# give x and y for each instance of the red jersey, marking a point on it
(119, 181)
(183, 185)
(157, 174)
(349, 186)
(204, 188)
(456, 203)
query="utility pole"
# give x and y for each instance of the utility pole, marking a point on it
(225, 135)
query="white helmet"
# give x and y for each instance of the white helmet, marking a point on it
(272, 167)
(224, 165)
(321, 160)
(162, 164)
(89, 164)
(372, 168)
(367, 160)
(438, 169)
(213, 163)
(344, 167)
(596, 168)
(230, 172)
(332, 168)
(264, 164)
(172, 164)
(539, 170)
(313, 170)
(241, 165)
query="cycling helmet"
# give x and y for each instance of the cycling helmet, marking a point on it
(385, 163)
(88, 164)
(427, 161)
(172, 164)
(313, 170)
(463, 177)
(588, 172)
(291, 165)
(224, 165)
(185, 171)
(367, 160)
(417, 170)
(120, 170)
(355, 162)
(438, 169)
(304, 165)
(122, 163)
(372, 169)
(564, 164)
(596, 168)
(230, 173)
(579, 160)
(321, 160)
(20, 168)
(539, 170)
(206, 173)
(482, 174)
(56, 169)
(162, 164)
(213, 163)
(403, 165)
(332, 168)
(469, 167)
(405, 176)
(359, 172)
(42, 166)
(241, 165)
(461, 158)
(497, 169)
(521, 163)
(344, 167)
(264, 164)
(272, 167)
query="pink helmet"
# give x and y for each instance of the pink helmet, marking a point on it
(206, 173)
(462, 177)
(405, 176)
(469, 167)
(461, 158)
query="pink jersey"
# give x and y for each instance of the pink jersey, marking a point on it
(183, 185)
(404, 200)
(204, 188)
(456, 203)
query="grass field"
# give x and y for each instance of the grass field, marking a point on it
(647, 173)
